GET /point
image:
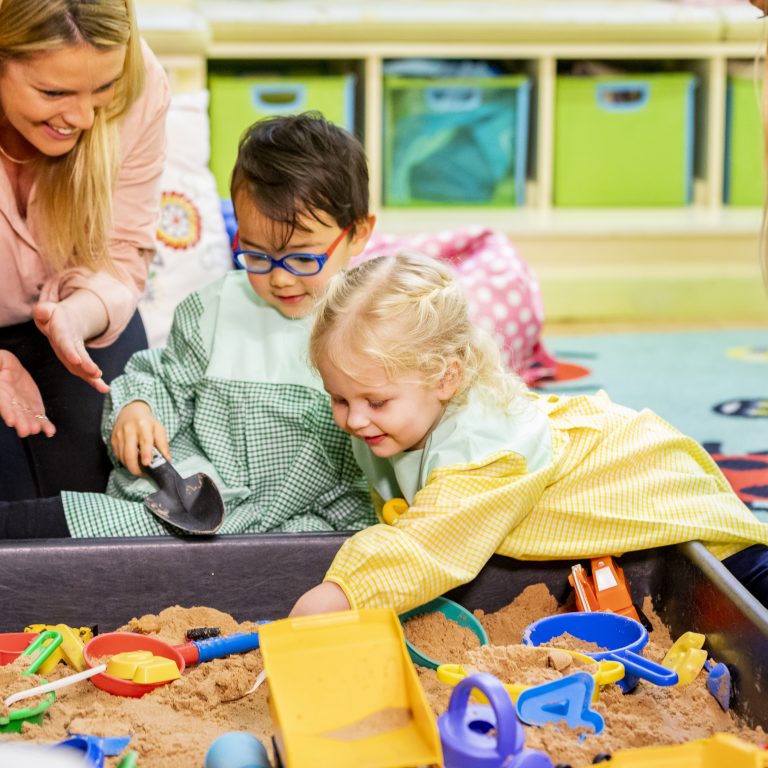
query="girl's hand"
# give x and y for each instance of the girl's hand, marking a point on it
(21, 406)
(62, 323)
(327, 597)
(135, 433)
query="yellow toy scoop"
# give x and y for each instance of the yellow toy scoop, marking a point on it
(686, 657)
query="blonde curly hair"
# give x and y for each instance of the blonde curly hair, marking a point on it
(408, 314)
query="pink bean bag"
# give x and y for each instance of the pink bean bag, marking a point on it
(503, 294)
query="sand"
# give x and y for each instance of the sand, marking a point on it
(173, 726)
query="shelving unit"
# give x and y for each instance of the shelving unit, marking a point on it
(687, 262)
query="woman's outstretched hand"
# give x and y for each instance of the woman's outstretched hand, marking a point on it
(66, 332)
(324, 598)
(21, 406)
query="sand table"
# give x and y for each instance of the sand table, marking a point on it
(173, 726)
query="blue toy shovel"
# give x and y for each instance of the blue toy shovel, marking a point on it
(623, 637)
(481, 736)
(94, 749)
(719, 682)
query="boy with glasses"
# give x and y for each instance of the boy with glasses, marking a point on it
(232, 395)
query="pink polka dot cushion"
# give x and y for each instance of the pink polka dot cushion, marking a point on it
(503, 294)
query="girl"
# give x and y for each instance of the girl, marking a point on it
(485, 466)
(82, 145)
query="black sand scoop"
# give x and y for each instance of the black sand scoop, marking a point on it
(192, 504)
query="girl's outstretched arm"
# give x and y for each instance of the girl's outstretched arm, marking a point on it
(456, 522)
(324, 598)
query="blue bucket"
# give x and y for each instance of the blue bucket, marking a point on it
(624, 638)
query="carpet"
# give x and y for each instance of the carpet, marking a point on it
(711, 385)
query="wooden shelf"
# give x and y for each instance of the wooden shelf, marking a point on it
(592, 263)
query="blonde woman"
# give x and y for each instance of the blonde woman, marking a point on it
(82, 144)
(482, 466)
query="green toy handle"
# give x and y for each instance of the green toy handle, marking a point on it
(47, 649)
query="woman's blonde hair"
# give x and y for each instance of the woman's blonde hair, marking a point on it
(407, 313)
(74, 191)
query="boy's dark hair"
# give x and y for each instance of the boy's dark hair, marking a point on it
(298, 165)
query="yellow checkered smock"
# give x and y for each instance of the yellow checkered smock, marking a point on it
(607, 480)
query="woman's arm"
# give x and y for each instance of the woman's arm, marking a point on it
(68, 324)
(136, 207)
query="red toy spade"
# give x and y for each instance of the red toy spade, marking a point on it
(113, 643)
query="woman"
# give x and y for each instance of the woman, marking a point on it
(82, 145)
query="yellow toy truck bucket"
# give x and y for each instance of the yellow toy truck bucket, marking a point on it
(344, 693)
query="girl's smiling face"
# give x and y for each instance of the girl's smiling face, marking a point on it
(389, 417)
(49, 99)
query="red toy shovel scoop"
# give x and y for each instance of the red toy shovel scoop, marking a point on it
(96, 651)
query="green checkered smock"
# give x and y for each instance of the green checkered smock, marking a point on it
(234, 390)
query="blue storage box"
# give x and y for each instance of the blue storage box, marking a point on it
(455, 141)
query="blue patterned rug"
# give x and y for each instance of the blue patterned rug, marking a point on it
(712, 385)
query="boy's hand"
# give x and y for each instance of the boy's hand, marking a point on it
(324, 598)
(135, 433)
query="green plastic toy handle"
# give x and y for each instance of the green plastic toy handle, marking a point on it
(50, 640)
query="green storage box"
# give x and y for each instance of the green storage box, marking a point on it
(624, 141)
(239, 100)
(744, 161)
(455, 141)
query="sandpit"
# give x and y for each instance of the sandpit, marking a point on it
(173, 726)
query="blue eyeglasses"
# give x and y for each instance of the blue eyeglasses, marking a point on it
(300, 264)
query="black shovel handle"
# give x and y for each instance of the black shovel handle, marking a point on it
(162, 472)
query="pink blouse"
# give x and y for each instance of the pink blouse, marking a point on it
(136, 205)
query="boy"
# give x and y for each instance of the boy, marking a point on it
(232, 394)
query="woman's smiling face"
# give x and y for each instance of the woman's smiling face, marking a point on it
(49, 99)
